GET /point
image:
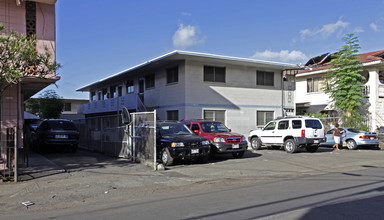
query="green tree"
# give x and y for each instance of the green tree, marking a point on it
(33, 106)
(19, 59)
(51, 105)
(344, 82)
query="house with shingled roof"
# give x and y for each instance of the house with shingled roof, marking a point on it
(310, 97)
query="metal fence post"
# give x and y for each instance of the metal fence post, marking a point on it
(154, 142)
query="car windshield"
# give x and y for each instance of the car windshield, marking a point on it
(312, 123)
(174, 129)
(354, 130)
(213, 127)
(61, 125)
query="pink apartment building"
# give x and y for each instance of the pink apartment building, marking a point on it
(26, 17)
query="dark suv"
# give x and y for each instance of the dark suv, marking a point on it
(56, 133)
(223, 140)
(175, 141)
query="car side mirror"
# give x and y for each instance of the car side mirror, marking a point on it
(196, 131)
(230, 130)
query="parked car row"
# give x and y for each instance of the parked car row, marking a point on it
(292, 133)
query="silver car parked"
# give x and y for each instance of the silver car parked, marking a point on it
(354, 138)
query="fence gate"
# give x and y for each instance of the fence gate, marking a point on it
(144, 136)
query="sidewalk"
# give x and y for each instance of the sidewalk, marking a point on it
(38, 167)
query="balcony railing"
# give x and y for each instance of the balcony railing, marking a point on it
(129, 101)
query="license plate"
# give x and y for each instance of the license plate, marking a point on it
(371, 138)
(316, 141)
(61, 136)
(194, 151)
(235, 146)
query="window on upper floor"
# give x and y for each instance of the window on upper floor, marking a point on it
(30, 18)
(265, 78)
(214, 74)
(130, 87)
(173, 75)
(315, 84)
(150, 81)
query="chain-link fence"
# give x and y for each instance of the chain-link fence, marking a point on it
(108, 135)
(144, 135)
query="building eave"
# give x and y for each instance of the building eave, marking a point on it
(366, 64)
(182, 55)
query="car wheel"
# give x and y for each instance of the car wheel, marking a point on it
(166, 157)
(238, 154)
(255, 143)
(312, 148)
(351, 144)
(290, 146)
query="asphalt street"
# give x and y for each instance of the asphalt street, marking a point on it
(269, 184)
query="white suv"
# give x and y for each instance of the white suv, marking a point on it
(291, 133)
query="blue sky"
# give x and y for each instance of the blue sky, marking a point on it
(98, 38)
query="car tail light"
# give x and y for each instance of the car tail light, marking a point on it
(367, 137)
(303, 133)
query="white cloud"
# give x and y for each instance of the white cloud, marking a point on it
(283, 55)
(187, 36)
(374, 27)
(358, 30)
(326, 31)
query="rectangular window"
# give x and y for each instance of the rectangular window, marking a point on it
(265, 78)
(150, 81)
(130, 88)
(173, 115)
(283, 125)
(214, 74)
(30, 18)
(173, 75)
(67, 106)
(296, 124)
(195, 127)
(315, 84)
(263, 117)
(215, 115)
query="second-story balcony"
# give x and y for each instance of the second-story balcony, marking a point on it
(130, 101)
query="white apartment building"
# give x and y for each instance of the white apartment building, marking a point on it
(243, 93)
